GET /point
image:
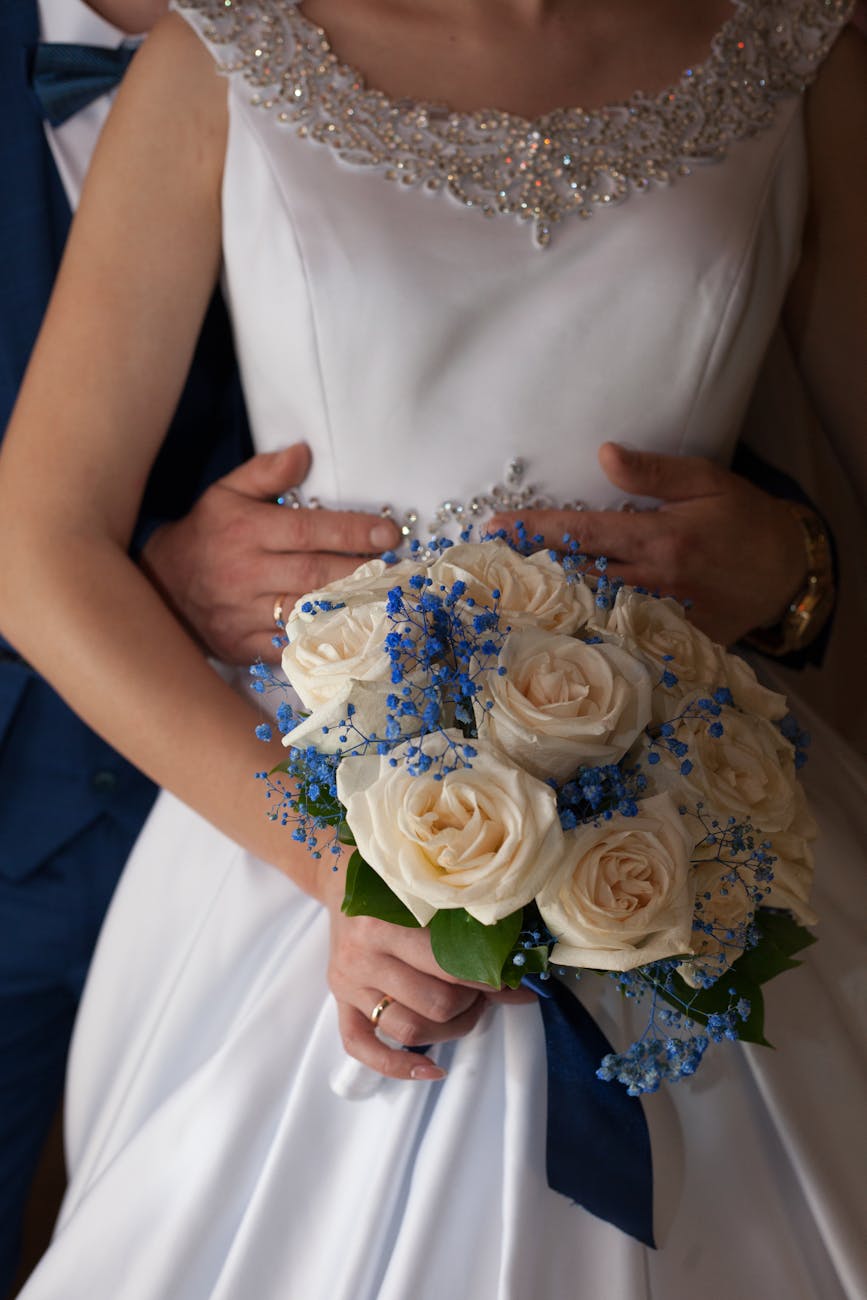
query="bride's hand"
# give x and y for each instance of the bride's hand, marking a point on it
(227, 564)
(372, 962)
(734, 551)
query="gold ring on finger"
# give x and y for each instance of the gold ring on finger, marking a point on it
(376, 1014)
(278, 611)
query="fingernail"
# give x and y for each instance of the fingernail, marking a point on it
(427, 1070)
(382, 536)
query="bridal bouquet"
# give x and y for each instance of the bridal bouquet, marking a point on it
(556, 774)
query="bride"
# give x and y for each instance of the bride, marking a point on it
(443, 300)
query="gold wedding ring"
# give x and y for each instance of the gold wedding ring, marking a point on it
(377, 1011)
(278, 611)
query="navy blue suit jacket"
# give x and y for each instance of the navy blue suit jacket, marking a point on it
(56, 777)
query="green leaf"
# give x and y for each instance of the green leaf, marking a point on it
(781, 936)
(784, 931)
(344, 834)
(535, 961)
(472, 951)
(367, 894)
(699, 1004)
(326, 807)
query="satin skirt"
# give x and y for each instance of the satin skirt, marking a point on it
(210, 1155)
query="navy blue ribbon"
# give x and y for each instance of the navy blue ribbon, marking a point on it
(66, 78)
(598, 1145)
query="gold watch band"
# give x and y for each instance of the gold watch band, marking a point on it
(808, 611)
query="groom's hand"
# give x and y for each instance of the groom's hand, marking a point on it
(225, 566)
(735, 552)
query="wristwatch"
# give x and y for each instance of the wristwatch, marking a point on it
(808, 611)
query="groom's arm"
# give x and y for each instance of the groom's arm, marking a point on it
(236, 555)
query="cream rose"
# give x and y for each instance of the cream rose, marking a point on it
(338, 664)
(562, 704)
(724, 905)
(748, 692)
(658, 630)
(370, 582)
(356, 712)
(534, 590)
(793, 870)
(626, 894)
(336, 658)
(337, 645)
(484, 838)
(747, 773)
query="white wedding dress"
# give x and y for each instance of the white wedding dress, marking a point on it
(422, 346)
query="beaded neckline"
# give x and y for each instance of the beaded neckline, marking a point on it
(565, 162)
(472, 118)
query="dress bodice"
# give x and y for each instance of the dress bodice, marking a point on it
(404, 303)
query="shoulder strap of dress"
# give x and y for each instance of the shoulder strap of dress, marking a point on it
(229, 28)
(799, 32)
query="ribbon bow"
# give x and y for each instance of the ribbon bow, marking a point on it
(66, 78)
(598, 1145)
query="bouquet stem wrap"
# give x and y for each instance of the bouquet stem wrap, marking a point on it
(598, 1145)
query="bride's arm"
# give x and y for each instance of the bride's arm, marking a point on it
(140, 266)
(106, 373)
(826, 311)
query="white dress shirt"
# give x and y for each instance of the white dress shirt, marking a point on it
(73, 143)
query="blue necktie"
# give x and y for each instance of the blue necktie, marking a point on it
(34, 212)
(598, 1146)
(66, 78)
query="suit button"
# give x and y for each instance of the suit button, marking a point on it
(104, 781)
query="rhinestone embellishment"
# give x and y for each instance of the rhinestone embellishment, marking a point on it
(569, 162)
(451, 517)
